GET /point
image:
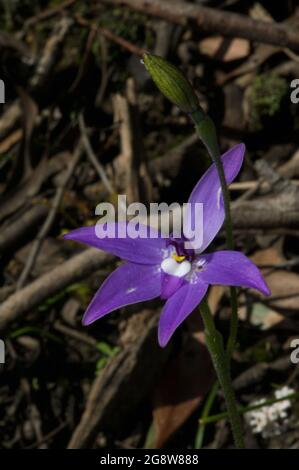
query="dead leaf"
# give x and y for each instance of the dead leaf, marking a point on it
(270, 256)
(214, 297)
(260, 55)
(224, 49)
(184, 385)
(10, 141)
(290, 169)
(261, 315)
(259, 12)
(284, 285)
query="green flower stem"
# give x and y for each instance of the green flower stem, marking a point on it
(205, 129)
(242, 410)
(219, 357)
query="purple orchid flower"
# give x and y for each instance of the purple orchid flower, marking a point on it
(161, 267)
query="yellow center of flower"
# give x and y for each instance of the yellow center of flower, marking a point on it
(178, 258)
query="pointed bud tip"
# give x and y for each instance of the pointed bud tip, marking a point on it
(171, 82)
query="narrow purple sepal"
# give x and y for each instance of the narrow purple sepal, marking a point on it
(138, 250)
(178, 307)
(128, 284)
(208, 192)
(232, 268)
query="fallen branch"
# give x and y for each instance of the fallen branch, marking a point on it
(92, 157)
(132, 48)
(10, 42)
(42, 72)
(266, 213)
(14, 232)
(213, 20)
(168, 165)
(45, 15)
(78, 267)
(50, 52)
(120, 389)
(130, 166)
(51, 216)
(245, 185)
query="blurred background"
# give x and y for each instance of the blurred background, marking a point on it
(82, 122)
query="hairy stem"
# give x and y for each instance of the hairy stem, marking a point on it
(219, 357)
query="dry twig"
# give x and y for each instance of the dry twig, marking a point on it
(50, 218)
(92, 157)
(26, 299)
(120, 388)
(216, 21)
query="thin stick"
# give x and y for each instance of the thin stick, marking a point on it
(129, 46)
(92, 157)
(48, 436)
(245, 185)
(243, 410)
(45, 15)
(14, 232)
(216, 21)
(50, 218)
(77, 335)
(69, 272)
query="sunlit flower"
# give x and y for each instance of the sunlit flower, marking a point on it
(163, 267)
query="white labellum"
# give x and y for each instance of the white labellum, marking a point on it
(171, 266)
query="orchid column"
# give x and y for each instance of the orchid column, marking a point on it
(173, 84)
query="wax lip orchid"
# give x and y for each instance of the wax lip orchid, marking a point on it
(162, 267)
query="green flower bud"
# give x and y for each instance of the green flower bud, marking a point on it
(172, 83)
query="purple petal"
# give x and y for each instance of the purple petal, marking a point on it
(232, 268)
(208, 192)
(138, 250)
(128, 284)
(178, 307)
(170, 284)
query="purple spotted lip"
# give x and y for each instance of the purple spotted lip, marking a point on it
(161, 267)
